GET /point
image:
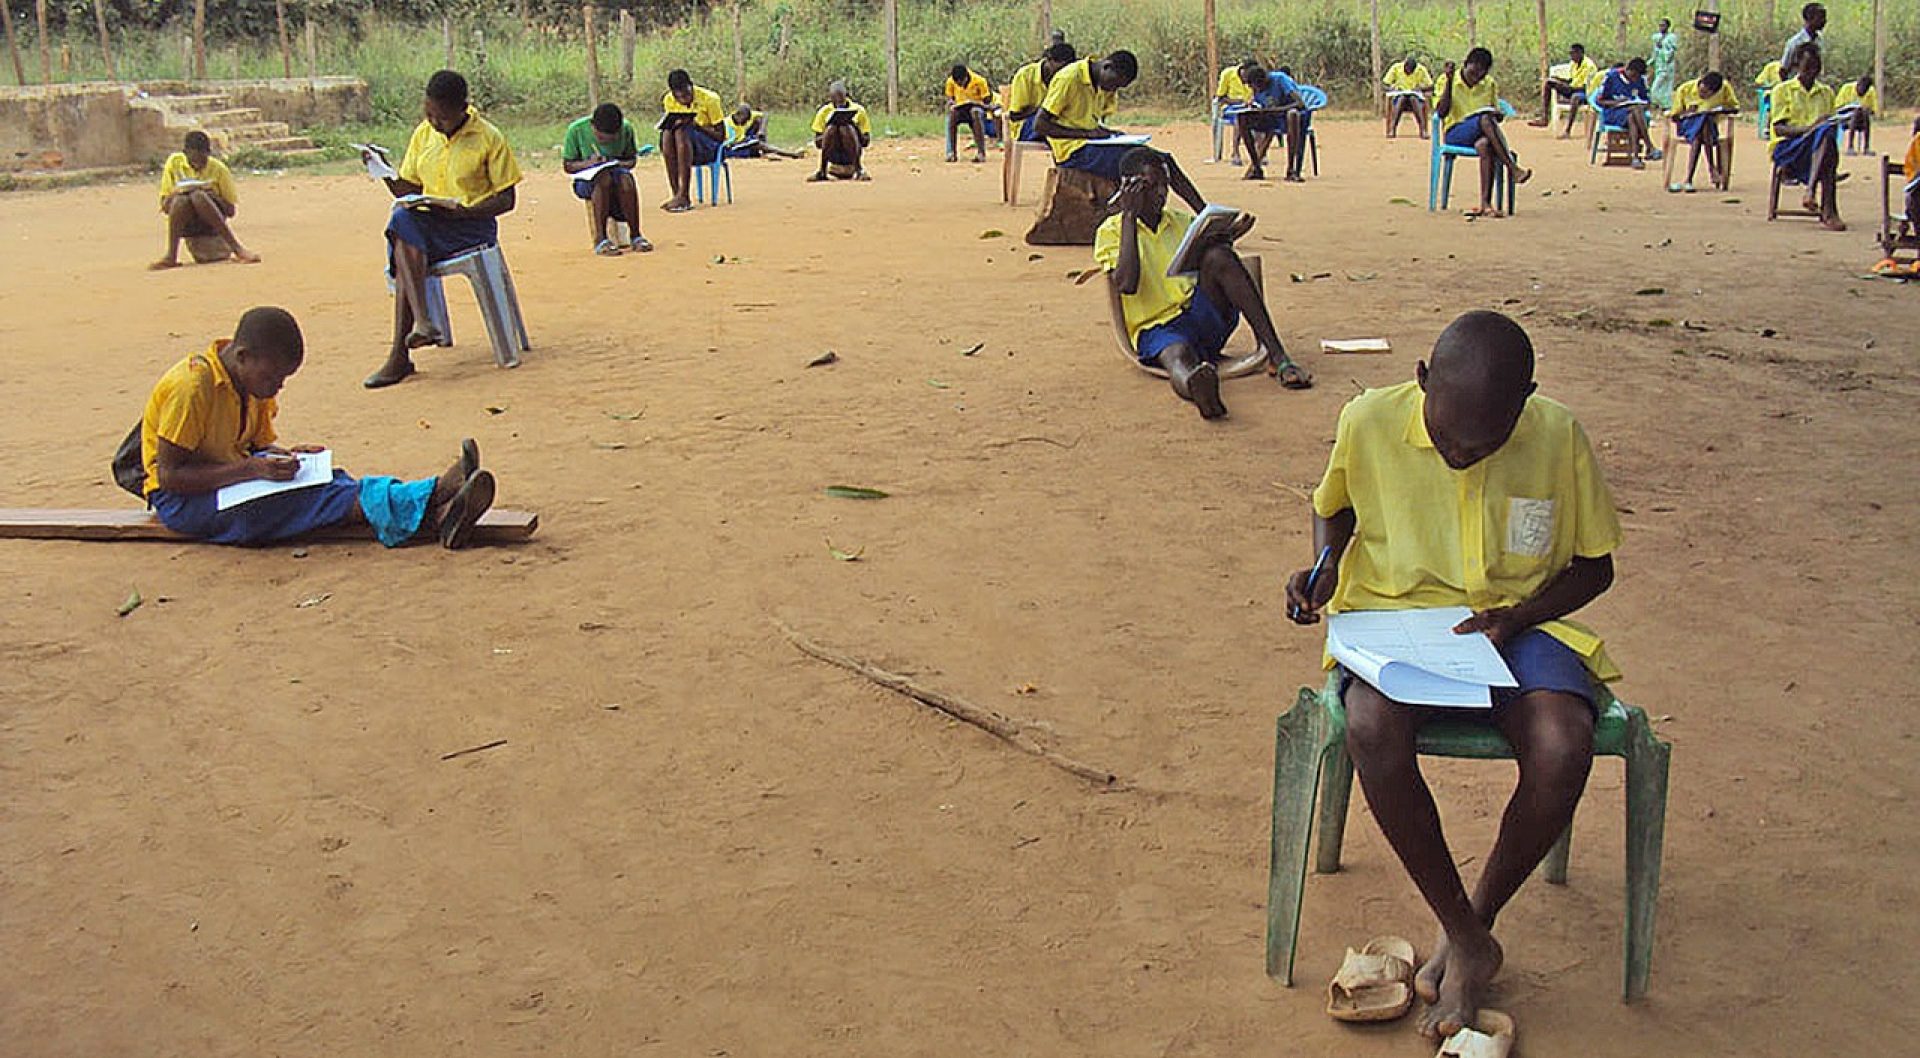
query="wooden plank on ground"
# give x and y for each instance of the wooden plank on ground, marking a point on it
(51, 523)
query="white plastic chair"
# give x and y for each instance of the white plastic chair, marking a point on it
(486, 271)
(1251, 363)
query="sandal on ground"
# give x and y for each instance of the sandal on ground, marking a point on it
(1490, 1036)
(817, 178)
(1374, 983)
(641, 245)
(606, 248)
(469, 458)
(464, 510)
(1290, 374)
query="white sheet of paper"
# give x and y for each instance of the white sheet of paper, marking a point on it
(1125, 141)
(1415, 657)
(592, 171)
(316, 468)
(1355, 345)
(377, 165)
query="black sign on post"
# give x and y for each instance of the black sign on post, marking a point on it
(1706, 21)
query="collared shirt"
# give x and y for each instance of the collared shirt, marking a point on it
(1027, 90)
(1797, 106)
(1160, 297)
(1279, 90)
(582, 143)
(1492, 535)
(1687, 97)
(1583, 76)
(472, 165)
(1618, 88)
(706, 107)
(1849, 94)
(197, 406)
(737, 132)
(976, 90)
(1468, 99)
(1794, 44)
(1400, 80)
(215, 173)
(1911, 163)
(1075, 103)
(826, 111)
(1768, 76)
(1231, 88)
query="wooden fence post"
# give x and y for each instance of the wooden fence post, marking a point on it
(1046, 23)
(286, 52)
(446, 39)
(1540, 19)
(1473, 25)
(1621, 20)
(627, 41)
(313, 48)
(739, 58)
(893, 56)
(199, 40)
(1213, 45)
(106, 49)
(13, 46)
(1880, 48)
(1379, 94)
(1713, 39)
(46, 57)
(593, 59)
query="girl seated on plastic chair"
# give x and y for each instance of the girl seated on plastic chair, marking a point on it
(1469, 108)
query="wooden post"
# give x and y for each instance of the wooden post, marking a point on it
(1046, 23)
(1546, 60)
(893, 56)
(1621, 22)
(106, 48)
(46, 57)
(1713, 40)
(1473, 25)
(313, 49)
(13, 46)
(1213, 46)
(446, 39)
(1880, 48)
(593, 59)
(286, 51)
(739, 58)
(199, 40)
(1379, 94)
(627, 42)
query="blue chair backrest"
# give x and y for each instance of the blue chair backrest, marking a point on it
(1315, 98)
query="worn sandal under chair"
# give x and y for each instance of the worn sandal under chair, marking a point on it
(1490, 1036)
(1374, 983)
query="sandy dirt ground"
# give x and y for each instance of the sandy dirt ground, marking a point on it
(226, 827)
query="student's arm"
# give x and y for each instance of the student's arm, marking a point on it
(403, 188)
(1049, 127)
(180, 471)
(1335, 534)
(1444, 105)
(1579, 584)
(1177, 182)
(1125, 276)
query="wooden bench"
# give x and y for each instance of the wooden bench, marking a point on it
(53, 523)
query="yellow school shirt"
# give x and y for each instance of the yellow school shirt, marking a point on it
(1584, 76)
(706, 108)
(1467, 99)
(1768, 76)
(1491, 535)
(1399, 80)
(1160, 297)
(737, 131)
(1796, 105)
(1076, 103)
(1848, 93)
(215, 173)
(472, 166)
(197, 406)
(1687, 97)
(1027, 90)
(860, 121)
(1231, 88)
(976, 90)
(1911, 164)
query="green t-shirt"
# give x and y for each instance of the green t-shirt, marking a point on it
(580, 143)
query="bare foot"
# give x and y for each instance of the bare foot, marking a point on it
(246, 256)
(1521, 176)
(1205, 387)
(1426, 983)
(163, 264)
(1833, 224)
(1462, 985)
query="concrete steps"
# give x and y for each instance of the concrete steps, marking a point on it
(230, 127)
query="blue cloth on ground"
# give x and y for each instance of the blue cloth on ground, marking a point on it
(439, 237)
(395, 508)
(1202, 326)
(1795, 156)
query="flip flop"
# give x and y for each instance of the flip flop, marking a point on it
(469, 458)
(1374, 983)
(1490, 1036)
(606, 248)
(376, 381)
(641, 245)
(1299, 380)
(464, 510)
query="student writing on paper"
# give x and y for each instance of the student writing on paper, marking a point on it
(611, 194)
(466, 170)
(1468, 105)
(1073, 116)
(692, 131)
(1466, 488)
(1624, 102)
(209, 424)
(199, 200)
(842, 132)
(1180, 323)
(747, 135)
(1865, 101)
(1805, 145)
(969, 104)
(1276, 107)
(1697, 105)
(1408, 85)
(1028, 89)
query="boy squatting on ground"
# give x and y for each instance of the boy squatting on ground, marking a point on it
(209, 424)
(842, 132)
(606, 136)
(1468, 105)
(199, 212)
(1180, 323)
(1465, 488)
(462, 163)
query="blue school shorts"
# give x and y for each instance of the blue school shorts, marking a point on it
(1100, 159)
(1538, 662)
(439, 237)
(705, 147)
(1026, 127)
(1464, 134)
(1796, 155)
(1202, 325)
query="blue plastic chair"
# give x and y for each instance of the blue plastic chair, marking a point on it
(1221, 123)
(1601, 130)
(1315, 99)
(1766, 112)
(709, 189)
(1440, 167)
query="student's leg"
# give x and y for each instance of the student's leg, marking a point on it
(601, 201)
(180, 214)
(1497, 141)
(209, 214)
(1255, 142)
(1393, 115)
(1546, 106)
(677, 146)
(412, 327)
(626, 195)
(1296, 144)
(1708, 143)
(953, 133)
(1420, 116)
(978, 118)
(1193, 379)
(1826, 176)
(1381, 741)
(1488, 165)
(1225, 280)
(1693, 159)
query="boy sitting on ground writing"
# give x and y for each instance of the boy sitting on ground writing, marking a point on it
(969, 102)
(1180, 323)
(1466, 488)
(198, 197)
(601, 137)
(1805, 145)
(692, 131)
(842, 133)
(209, 424)
(1408, 85)
(747, 135)
(1469, 109)
(1624, 102)
(1697, 106)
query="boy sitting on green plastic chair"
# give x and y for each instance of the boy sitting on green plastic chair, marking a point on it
(1466, 488)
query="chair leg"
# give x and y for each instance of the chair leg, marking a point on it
(1446, 181)
(1301, 738)
(1773, 195)
(1336, 790)
(487, 292)
(513, 311)
(1647, 762)
(1313, 149)
(437, 313)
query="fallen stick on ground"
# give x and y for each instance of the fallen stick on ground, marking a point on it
(495, 744)
(1005, 728)
(1036, 438)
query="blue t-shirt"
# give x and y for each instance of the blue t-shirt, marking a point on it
(1277, 92)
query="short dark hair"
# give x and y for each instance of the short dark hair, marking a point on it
(198, 141)
(1124, 64)
(607, 118)
(1712, 80)
(448, 87)
(1061, 52)
(1581, 48)
(960, 74)
(268, 330)
(1140, 159)
(679, 79)
(1865, 81)
(1479, 55)
(1807, 12)
(1636, 65)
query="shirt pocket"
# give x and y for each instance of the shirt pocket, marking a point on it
(1530, 527)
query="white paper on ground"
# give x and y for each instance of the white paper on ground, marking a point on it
(1415, 657)
(1355, 345)
(316, 468)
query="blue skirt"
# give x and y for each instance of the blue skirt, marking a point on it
(1100, 159)
(1464, 134)
(1795, 156)
(1688, 128)
(392, 507)
(1615, 117)
(1202, 326)
(439, 237)
(705, 148)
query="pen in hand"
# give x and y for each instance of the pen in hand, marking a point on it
(1297, 613)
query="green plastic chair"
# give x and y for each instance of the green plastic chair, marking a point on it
(1310, 756)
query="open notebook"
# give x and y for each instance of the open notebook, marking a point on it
(1415, 657)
